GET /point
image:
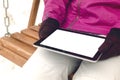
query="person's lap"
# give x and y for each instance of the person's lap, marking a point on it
(46, 65)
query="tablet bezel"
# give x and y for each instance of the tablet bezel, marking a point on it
(94, 59)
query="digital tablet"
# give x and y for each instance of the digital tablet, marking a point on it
(80, 45)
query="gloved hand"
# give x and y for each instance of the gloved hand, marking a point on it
(111, 46)
(47, 27)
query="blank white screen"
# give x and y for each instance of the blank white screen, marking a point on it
(74, 42)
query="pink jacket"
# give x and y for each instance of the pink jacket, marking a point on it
(96, 16)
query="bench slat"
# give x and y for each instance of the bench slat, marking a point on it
(18, 47)
(23, 38)
(20, 61)
(30, 33)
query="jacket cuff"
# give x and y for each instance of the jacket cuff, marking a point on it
(114, 32)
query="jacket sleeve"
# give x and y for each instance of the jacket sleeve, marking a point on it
(55, 9)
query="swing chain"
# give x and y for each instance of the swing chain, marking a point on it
(6, 18)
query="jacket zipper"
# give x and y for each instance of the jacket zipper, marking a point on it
(76, 18)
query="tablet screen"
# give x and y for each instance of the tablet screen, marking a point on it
(80, 44)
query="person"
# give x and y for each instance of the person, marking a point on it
(99, 17)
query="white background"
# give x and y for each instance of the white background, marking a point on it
(19, 12)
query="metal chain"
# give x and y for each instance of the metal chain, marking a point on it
(6, 18)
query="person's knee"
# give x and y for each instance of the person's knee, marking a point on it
(103, 70)
(84, 78)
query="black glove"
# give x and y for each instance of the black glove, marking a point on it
(47, 27)
(111, 46)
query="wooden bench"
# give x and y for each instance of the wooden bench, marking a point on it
(19, 46)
